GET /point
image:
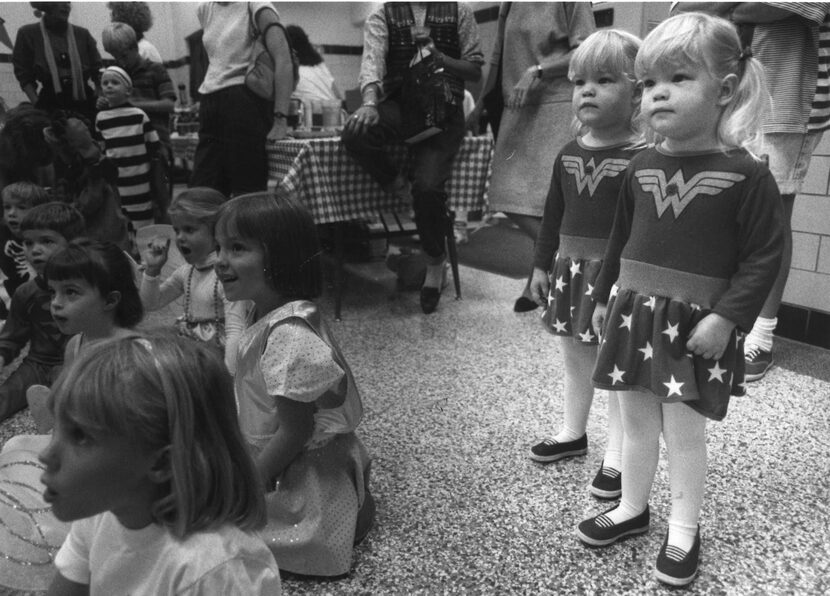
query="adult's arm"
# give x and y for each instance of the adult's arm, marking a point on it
(165, 96)
(579, 17)
(772, 12)
(468, 65)
(94, 57)
(23, 59)
(372, 70)
(277, 45)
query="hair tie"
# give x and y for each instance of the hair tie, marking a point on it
(120, 73)
(745, 53)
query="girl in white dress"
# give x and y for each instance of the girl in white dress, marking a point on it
(298, 402)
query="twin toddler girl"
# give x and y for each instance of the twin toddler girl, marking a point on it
(690, 256)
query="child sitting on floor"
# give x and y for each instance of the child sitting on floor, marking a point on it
(46, 229)
(298, 402)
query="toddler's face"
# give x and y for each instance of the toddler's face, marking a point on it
(683, 103)
(76, 304)
(89, 472)
(194, 238)
(604, 101)
(13, 212)
(114, 89)
(39, 245)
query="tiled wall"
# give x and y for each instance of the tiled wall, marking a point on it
(809, 283)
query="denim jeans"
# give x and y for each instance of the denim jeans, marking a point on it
(231, 156)
(430, 168)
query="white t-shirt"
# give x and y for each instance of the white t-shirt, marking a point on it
(315, 83)
(148, 51)
(112, 559)
(228, 41)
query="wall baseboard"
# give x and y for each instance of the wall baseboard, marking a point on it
(804, 325)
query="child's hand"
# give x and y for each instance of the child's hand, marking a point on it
(598, 318)
(155, 256)
(709, 338)
(102, 103)
(539, 287)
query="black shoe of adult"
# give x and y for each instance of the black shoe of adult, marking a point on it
(524, 304)
(429, 299)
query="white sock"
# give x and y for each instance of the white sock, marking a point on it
(624, 512)
(567, 434)
(761, 334)
(682, 536)
(612, 460)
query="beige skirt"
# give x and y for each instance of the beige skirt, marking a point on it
(528, 142)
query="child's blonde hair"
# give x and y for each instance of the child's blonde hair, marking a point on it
(163, 391)
(607, 50)
(199, 202)
(28, 193)
(117, 37)
(712, 43)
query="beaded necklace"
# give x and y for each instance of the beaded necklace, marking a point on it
(217, 300)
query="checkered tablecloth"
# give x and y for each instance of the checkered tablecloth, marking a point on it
(335, 188)
(184, 146)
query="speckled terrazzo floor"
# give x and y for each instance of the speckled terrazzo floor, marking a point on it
(452, 402)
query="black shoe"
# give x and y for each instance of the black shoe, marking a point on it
(758, 362)
(675, 567)
(607, 483)
(429, 299)
(524, 304)
(601, 531)
(550, 450)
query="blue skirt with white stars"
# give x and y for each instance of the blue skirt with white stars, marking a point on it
(570, 305)
(643, 347)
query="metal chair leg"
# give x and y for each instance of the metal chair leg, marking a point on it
(453, 253)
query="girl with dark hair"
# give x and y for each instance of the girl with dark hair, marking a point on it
(316, 82)
(298, 402)
(94, 295)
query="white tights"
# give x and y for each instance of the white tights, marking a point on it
(579, 395)
(684, 431)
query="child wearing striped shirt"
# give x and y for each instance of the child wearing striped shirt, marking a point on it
(130, 142)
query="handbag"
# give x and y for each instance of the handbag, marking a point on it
(259, 76)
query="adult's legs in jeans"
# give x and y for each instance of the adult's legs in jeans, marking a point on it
(529, 224)
(684, 431)
(207, 163)
(231, 155)
(432, 161)
(248, 120)
(368, 149)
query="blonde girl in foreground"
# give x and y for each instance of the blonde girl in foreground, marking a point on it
(147, 462)
(695, 248)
